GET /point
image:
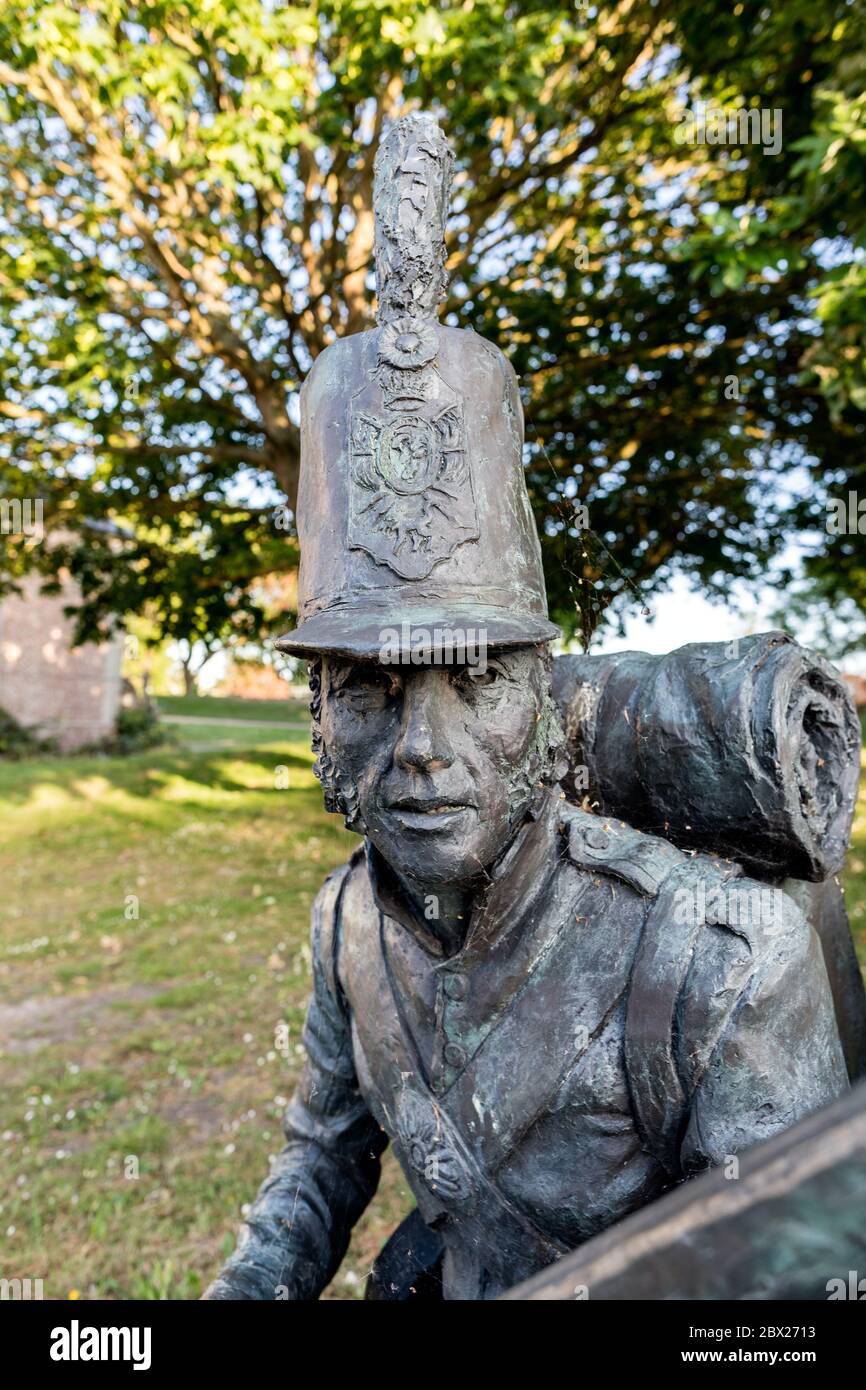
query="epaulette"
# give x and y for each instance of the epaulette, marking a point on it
(641, 860)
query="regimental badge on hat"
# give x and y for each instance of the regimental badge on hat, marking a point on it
(411, 500)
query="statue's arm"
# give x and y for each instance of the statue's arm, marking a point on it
(778, 1057)
(297, 1229)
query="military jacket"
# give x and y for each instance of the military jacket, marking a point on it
(621, 1015)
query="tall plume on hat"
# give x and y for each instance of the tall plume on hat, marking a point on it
(412, 187)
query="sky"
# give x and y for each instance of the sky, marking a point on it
(682, 615)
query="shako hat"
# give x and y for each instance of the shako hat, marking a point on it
(413, 515)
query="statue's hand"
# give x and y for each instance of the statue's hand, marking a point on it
(225, 1289)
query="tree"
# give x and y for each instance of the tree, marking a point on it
(187, 193)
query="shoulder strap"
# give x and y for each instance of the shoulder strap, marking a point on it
(325, 923)
(673, 922)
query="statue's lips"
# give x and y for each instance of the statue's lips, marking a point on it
(434, 813)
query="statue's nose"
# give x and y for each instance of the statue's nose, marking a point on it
(423, 744)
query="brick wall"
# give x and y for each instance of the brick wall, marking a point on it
(71, 694)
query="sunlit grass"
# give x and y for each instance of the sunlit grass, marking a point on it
(153, 932)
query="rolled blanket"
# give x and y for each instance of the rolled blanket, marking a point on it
(750, 749)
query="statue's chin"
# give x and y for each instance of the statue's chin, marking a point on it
(451, 849)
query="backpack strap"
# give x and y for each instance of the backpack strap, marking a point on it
(679, 887)
(325, 914)
(670, 933)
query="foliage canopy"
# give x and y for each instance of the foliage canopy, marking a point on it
(186, 195)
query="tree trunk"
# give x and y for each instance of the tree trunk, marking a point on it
(189, 683)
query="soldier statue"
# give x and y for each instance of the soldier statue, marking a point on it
(510, 989)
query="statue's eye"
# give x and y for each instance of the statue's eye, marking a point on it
(369, 687)
(472, 678)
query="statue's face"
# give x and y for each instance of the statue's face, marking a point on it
(436, 764)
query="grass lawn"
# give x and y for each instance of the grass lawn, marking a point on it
(227, 707)
(153, 935)
(140, 1086)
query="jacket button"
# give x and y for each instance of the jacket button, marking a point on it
(454, 1055)
(456, 986)
(596, 839)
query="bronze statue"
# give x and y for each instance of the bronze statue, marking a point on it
(552, 1016)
